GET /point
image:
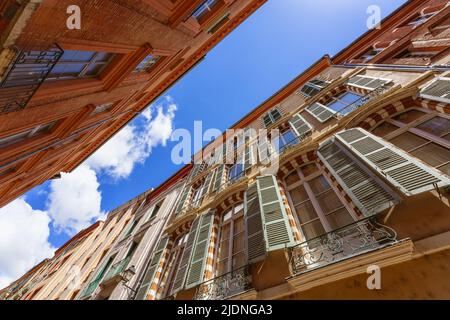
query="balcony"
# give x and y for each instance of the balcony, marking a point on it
(114, 274)
(225, 286)
(344, 243)
(28, 71)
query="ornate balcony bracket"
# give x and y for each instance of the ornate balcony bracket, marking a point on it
(225, 286)
(344, 243)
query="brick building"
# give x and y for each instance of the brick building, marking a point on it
(361, 147)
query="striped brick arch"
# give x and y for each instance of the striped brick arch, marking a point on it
(434, 105)
(157, 279)
(295, 230)
(287, 167)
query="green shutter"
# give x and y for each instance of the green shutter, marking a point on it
(256, 245)
(438, 90)
(320, 112)
(264, 150)
(183, 199)
(151, 269)
(366, 82)
(180, 276)
(300, 126)
(200, 251)
(208, 182)
(198, 168)
(219, 178)
(277, 231)
(366, 192)
(403, 171)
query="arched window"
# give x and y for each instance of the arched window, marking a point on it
(231, 253)
(317, 206)
(423, 134)
(174, 261)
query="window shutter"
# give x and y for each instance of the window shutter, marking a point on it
(218, 178)
(256, 246)
(278, 233)
(185, 258)
(264, 150)
(366, 82)
(366, 192)
(209, 178)
(198, 168)
(267, 120)
(320, 112)
(183, 199)
(200, 250)
(300, 126)
(403, 171)
(438, 90)
(276, 114)
(250, 156)
(151, 269)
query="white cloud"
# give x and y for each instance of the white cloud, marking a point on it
(24, 242)
(74, 201)
(134, 143)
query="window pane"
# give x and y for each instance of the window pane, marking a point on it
(238, 243)
(289, 137)
(409, 116)
(239, 208)
(433, 154)
(292, 178)
(313, 229)
(445, 169)
(75, 55)
(349, 97)
(339, 219)
(336, 105)
(309, 169)
(306, 212)
(329, 201)
(222, 267)
(408, 141)
(437, 126)
(238, 261)
(227, 215)
(223, 249)
(238, 225)
(384, 129)
(298, 195)
(319, 184)
(104, 56)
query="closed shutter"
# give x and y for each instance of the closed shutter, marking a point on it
(256, 245)
(438, 90)
(151, 269)
(186, 258)
(250, 156)
(218, 178)
(366, 82)
(198, 168)
(208, 181)
(200, 251)
(183, 199)
(320, 112)
(264, 149)
(369, 196)
(300, 126)
(278, 233)
(403, 171)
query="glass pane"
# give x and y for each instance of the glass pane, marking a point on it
(222, 267)
(289, 137)
(313, 229)
(292, 178)
(225, 232)
(104, 56)
(309, 169)
(329, 201)
(223, 249)
(349, 97)
(409, 116)
(408, 141)
(94, 69)
(336, 105)
(298, 195)
(306, 212)
(238, 225)
(384, 129)
(238, 243)
(433, 154)
(339, 219)
(227, 215)
(445, 169)
(70, 68)
(238, 261)
(319, 184)
(239, 208)
(75, 55)
(437, 126)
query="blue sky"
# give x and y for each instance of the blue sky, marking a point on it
(268, 50)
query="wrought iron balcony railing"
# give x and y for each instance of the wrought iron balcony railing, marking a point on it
(362, 101)
(344, 243)
(116, 269)
(293, 142)
(225, 286)
(28, 71)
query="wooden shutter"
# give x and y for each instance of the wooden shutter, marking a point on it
(366, 192)
(366, 82)
(218, 178)
(198, 168)
(300, 126)
(250, 156)
(320, 112)
(200, 250)
(403, 171)
(151, 269)
(183, 199)
(256, 245)
(276, 114)
(208, 181)
(180, 277)
(438, 90)
(264, 149)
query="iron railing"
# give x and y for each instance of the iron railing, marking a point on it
(357, 238)
(225, 286)
(117, 269)
(362, 101)
(293, 142)
(24, 77)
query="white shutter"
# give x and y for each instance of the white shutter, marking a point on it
(366, 192)
(367, 82)
(183, 199)
(438, 90)
(300, 126)
(264, 149)
(218, 178)
(256, 245)
(403, 171)
(320, 112)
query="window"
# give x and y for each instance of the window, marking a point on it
(285, 139)
(272, 117)
(320, 112)
(148, 63)
(318, 208)
(416, 53)
(313, 87)
(174, 262)
(102, 108)
(204, 8)
(236, 171)
(231, 252)
(419, 19)
(80, 64)
(438, 90)
(22, 136)
(341, 102)
(155, 210)
(425, 136)
(367, 82)
(131, 228)
(371, 53)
